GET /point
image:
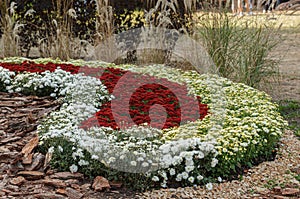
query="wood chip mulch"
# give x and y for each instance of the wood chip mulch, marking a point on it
(25, 173)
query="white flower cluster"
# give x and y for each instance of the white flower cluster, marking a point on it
(183, 158)
(5, 78)
(75, 88)
(127, 153)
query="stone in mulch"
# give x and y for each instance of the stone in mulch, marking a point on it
(100, 184)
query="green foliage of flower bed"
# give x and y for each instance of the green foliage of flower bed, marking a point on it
(242, 126)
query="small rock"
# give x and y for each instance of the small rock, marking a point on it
(73, 194)
(17, 181)
(290, 192)
(67, 175)
(27, 149)
(100, 183)
(31, 175)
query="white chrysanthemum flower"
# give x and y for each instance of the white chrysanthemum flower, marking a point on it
(83, 163)
(189, 168)
(185, 175)
(244, 144)
(145, 164)
(209, 186)
(214, 162)
(133, 163)
(60, 149)
(199, 177)
(155, 178)
(51, 149)
(111, 160)
(95, 157)
(172, 172)
(254, 142)
(73, 168)
(140, 159)
(191, 179)
(179, 177)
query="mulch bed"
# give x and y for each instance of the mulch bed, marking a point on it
(25, 173)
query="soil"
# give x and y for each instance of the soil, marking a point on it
(288, 54)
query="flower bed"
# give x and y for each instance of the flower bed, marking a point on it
(203, 128)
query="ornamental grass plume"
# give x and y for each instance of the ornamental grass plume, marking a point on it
(10, 28)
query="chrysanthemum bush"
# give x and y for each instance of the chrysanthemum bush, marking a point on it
(238, 125)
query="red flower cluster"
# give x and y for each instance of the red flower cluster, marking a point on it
(138, 99)
(28, 66)
(143, 99)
